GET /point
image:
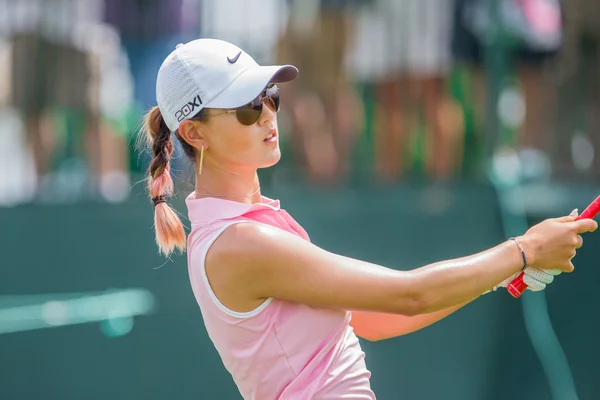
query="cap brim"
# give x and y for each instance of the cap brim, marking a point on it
(250, 84)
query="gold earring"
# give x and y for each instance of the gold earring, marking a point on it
(201, 161)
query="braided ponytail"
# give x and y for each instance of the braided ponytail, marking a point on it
(170, 234)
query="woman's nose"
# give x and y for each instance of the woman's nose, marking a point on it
(267, 114)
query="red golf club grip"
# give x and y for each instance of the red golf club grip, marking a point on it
(517, 287)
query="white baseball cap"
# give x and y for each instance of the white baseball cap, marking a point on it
(211, 73)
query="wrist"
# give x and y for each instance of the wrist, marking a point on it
(528, 247)
(522, 252)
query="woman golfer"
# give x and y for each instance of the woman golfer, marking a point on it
(284, 314)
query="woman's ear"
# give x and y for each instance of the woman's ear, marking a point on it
(193, 132)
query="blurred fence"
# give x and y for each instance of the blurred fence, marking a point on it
(481, 352)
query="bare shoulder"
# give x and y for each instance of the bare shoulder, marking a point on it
(248, 249)
(244, 241)
(238, 259)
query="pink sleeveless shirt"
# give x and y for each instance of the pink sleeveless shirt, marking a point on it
(280, 350)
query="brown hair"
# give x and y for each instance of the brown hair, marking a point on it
(170, 235)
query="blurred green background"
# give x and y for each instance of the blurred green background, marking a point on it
(447, 127)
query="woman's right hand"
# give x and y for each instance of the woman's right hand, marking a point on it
(552, 244)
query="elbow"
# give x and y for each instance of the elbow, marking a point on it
(407, 306)
(371, 339)
(412, 307)
(415, 303)
(370, 336)
(417, 298)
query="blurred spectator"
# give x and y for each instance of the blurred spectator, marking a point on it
(48, 71)
(532, 37)
(254, 25)
(576, 148)
(324, 108)
(403, 47)
(149, 31)
(56, 68)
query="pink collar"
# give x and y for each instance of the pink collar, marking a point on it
(209, 209)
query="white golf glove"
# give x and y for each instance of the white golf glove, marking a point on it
(536, 279)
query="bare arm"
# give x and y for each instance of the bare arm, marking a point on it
(263, 261)
(375, 326)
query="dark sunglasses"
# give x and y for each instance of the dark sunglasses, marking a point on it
(251, 112)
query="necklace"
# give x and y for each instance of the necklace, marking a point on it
(228, 195)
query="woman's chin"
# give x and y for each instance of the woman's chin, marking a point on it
(272, 159)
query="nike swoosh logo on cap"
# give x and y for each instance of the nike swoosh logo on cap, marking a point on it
(234, 59)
